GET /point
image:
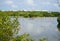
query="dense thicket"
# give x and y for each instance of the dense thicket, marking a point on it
(30, 13)
(8, 28)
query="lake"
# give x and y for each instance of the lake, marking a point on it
(40, 27)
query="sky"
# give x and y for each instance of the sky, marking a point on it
(47, 5)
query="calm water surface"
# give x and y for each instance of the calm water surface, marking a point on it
(40, 27)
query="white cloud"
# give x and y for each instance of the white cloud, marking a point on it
(46, 3)
(55, 4)
(30, 2)
(13, 6)
(49, 3)
(11, 3)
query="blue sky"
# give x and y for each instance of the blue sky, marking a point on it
(50, 5)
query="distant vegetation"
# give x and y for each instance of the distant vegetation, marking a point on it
(30, 13)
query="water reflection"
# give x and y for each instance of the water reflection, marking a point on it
(40, 27)
(58, 26)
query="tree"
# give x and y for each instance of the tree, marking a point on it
(23, 37)
(8, 28)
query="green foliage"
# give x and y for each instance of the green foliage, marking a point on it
(24, 37)
(30, 13)
(8, 28)
(43, 39)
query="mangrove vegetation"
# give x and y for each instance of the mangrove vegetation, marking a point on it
(30, 13)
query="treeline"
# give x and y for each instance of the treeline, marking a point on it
(30, 13)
